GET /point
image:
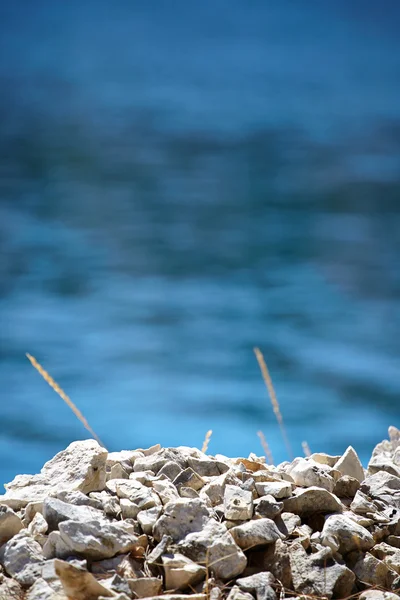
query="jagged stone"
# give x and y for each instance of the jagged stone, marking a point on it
(80, 499)
(38, 526)
(22, 558)
(259, 584)
(307, 473)
(10, 524)
(81, 466)
(189, 479)
(148, 518)
(78, 583)
(256, 533)
(142, 587)
(137, 493)
(180, 518)
(324, 459)
(349, 464)
(389, 554)
(171, 469)
(180, 572)
(10, 589)
(277, 489)
(237, 594)
(318, 574)
(96, 539)
(42, 590)
(287, 523)
(310, 500)
(166, 491)
(348, 535)
(378, 595)
(383, 486)
(56, 511)
(268, 507)
(206, 467)
(372, 571)
(213, 492)
(346, 487)
(214, 548)
(238, 503)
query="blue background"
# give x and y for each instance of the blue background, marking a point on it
(182, 181)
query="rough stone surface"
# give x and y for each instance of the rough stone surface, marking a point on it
(10, 524)
(349, 464)
(318, 574)
(56, 511)
(346, 533)
(180, 518)
(96, 539)
(142, 587)
(21, 556)
(238, 503)
(78, 583)
(307, 473)
(215, 548)
(80, 467)
(255, 533)
(313, 499)
(180, 572)
(139, 523)
(268, 507)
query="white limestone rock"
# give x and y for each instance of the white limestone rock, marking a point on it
(189, 479)
(318, 575)
(350, 464)
(324, 459)
(180, 572)
(38, 526)
(348, 534)
(180, 518)
(22, 558)
(268, 507)
(238, 503)
(10, 524)
(56, 511)
(259, 584)
(310, 500)
(78, 583)
(277, 489)
(237, 594)
(307, 473)
(378, 595)
(42, 590)
(254, 534)
(215, 548)
(148, 518)
(96, 539)
(143, 587)
(372, 571)
(81, 466)
(383, 486)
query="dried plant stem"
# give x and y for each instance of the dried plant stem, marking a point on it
(63, 395)
(206, 441)
(306, 448)
(266, 448)
(273, 398)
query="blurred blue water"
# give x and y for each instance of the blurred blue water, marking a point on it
(179, 183)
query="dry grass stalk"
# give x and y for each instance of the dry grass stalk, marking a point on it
(63, 395)
(306, 448)
(273, 398)
(266, 448)
(206, 441)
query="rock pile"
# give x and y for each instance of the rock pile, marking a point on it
(178, 523)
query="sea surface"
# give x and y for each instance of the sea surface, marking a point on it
(179, 183)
